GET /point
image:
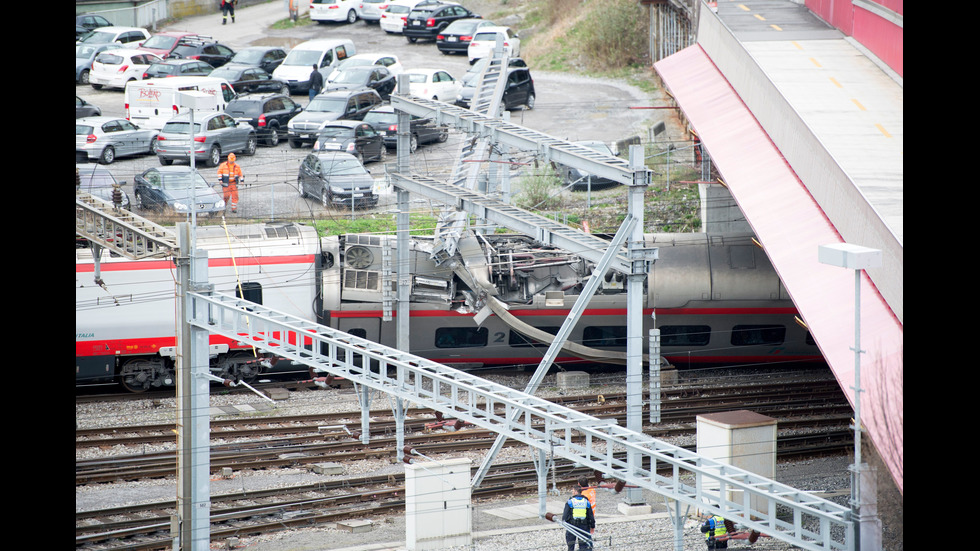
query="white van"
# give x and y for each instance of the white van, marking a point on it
(324, 53)
(151, 103)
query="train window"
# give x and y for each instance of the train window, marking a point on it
(249, 291)
(519, 340)
(610, 335)
(744, 335)
(461, 337)
(359, 332)
(685, 335)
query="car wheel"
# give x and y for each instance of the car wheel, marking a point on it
(530, 102)
(166, 162)
(108, 155)
(383, 157)
(360, 157)
(413, 143)
(443, 135)
(250, 145)
(351, 16)
(139, 201)
(284, 90)
(299, 185)
(97, 86)
(295, 144)
(153, 146)
(214, 156)
(412, 39)
(325, 197)
(273, 139)
(83, 78)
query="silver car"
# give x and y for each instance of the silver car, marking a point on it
(215, 134)
(103, 139)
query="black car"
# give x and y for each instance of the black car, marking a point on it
(178, 68)
(264, 57)
(328, 107)
(173, 189)
(518, 92)
(428, 19)
(86, 109)
(213, 53)
(247, 80)
(360, 139)
(455, 39)
(336, 178)
(375, 77)
(88, 21)
(268, 114)
(421, 130)
(479, 65)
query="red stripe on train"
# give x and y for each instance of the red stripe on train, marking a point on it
(212, 263)
(588, 312)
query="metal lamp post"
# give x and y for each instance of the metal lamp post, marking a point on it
(857, 258)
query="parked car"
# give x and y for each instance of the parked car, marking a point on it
(265, 57)
(323, 11)
(394, 17)
(485, 40)
(477, 68)
(114, 68)
(336, 179)
(455, 38)
(99, 182)
(269, 115)
(174, 189)
(85, 54)
(213, 53)
(249, 80)
(91, 21)
(105, 138)
(328, 107)
(428, 19)
(355, 137)
(86, 109)
(130, 37)
(421, 130)
(370, 10)
(433, 83)
(215, 134)
(375, 77)
(366, 60)
(163, 43)
(177, 68)
(518, 92)
(580, 180)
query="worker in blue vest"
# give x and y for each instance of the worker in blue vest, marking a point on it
(715, 532)
(578, 514)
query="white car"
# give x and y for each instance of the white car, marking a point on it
(433, 83)
(370, 10)
(393, 19)
(130, 37)
(485, 40)
(362, 60)
(115, 68)
(322, 11)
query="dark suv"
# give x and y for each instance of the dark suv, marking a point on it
(428, 19)
(213, 53)
(421, 130)
(518, 92)
(269, 115)
(328, 107)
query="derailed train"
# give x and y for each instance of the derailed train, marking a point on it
(716, 298)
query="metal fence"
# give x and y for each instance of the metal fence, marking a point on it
(145, 15)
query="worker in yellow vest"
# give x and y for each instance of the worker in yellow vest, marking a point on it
(716, 532)
(578, 515)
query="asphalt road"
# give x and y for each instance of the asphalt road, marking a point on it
(572, 107)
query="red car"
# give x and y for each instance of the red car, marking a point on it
(163, 43)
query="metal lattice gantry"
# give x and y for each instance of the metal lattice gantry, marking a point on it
(741, 496)
(119, 230)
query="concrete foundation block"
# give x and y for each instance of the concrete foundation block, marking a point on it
(573, 380)
(232, 543)
(356, 526)
(632, 510)
(328, 468)
(276, 393)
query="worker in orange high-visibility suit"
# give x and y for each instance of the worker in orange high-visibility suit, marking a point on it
(230, 175)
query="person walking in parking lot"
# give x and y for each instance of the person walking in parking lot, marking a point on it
(316, 82)
(228, 7)
(230, 174)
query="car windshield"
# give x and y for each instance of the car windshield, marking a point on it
(85, 51)
(181, 127)
(109, 59)
(183, 180)
(248, 57)
(487, 36)
(375, 117)
(99, 37)
(396, 8)
(343, 166)
(244, 108)
(83, 129)
(354, 62)
(327, 105)
(418, 78)
(351, 77)
(160, 42)
(226, 73)
(161, 69)
(335, 132)
(181, 51)
(302, 57)
(96, 179)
